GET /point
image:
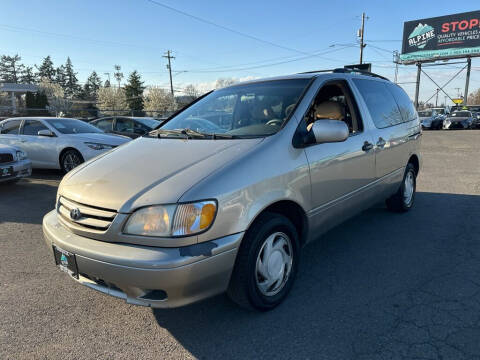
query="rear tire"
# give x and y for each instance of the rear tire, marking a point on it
(404, 198)
(266, 264)
(70, 159)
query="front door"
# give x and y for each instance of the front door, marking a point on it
(340, 172)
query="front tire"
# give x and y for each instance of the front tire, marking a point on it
(266, 264)
(404, 198)
(70, 159)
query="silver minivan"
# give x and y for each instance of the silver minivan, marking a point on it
(223, 196)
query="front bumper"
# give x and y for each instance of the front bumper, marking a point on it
(21, 169)
(138, 274)
(456, 124)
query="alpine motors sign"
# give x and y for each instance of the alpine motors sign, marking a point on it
(442, 37)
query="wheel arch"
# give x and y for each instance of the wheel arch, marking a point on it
(292, 211)
(415, 162)
(64, 150)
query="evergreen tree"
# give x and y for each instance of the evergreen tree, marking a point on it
(11, 69)
(46, 70)
(71, 82)
(60, 77)
(91, 86)
(134, 91)
(107, 83)
(28, 77)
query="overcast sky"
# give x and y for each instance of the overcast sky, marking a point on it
(213, 39)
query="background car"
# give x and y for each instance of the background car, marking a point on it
(14, 164)
(57, 143)
(132, 127)
(462, 119)
(431, 120)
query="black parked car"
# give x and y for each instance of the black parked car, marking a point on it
(462, 119)
(132, 127)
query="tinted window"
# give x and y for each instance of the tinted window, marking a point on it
(10, 127)
(380, 103)
(407, 110)
(124, 125)
(73, 126)
(104, 124)
(32, 127)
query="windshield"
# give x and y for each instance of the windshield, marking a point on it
(148, 122)
(439, 111)
(461, 114)
(425, 113)
(257, 109)
(72, 126)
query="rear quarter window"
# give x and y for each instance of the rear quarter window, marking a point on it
(407, 110)
(380, 102)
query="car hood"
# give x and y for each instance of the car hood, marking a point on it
(108, 139)
(149, 171)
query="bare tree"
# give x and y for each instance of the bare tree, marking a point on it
(158, 101)
(474, 98)
(58, 105)
(111, 99)
(224, 82)
(192, 91)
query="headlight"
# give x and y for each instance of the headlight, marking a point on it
(172, 220)
(21, 155)
(96, 146)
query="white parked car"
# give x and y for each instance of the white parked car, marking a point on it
(57, 143)
(14, 164)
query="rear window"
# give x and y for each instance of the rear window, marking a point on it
(380, 103)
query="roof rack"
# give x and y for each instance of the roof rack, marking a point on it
(347, 70)
(358, 71)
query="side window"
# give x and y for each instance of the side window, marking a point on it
(335, 101)
(104, 124)
(380, 102)
(11, 127)
(32, 127)
(124, 125)
(407, 110)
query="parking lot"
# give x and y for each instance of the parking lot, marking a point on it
(381, 286)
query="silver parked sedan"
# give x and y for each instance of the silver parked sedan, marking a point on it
(223, 196)
(57, 143)
(14, 164)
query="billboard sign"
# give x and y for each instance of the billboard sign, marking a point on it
(443, 37)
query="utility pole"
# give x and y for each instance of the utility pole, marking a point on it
(467, 81)
(169, 67)
(396, 60)
(360, 34)
(436, 98)
(458, 91)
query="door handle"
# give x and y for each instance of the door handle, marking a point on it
(367, 146)
(381, 142)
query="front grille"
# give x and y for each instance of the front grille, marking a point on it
(89, 217)
(6, 158)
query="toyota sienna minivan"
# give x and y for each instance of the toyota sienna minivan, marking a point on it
(223, 196)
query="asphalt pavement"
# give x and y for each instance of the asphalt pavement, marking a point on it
(381, 286)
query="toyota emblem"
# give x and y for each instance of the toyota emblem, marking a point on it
(75, 214)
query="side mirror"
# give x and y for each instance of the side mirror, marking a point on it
(46, 132)
(328, 131)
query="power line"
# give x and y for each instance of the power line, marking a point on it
(270, 64)
(205, 21)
